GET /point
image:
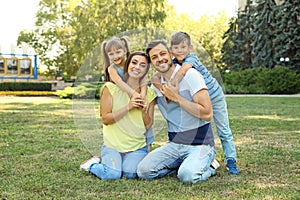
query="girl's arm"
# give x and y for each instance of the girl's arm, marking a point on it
(120, 83)
(144, 87)
(148, 114)
(148, 117)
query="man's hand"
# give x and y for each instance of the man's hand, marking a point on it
(171, 91)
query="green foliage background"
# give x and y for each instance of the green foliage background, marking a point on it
(264, 34)
(69, 33)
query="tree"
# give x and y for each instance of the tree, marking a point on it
(52, 38)
(228, 50)
(238, 45)
(264, 34)
(287, 35)
(75, 28)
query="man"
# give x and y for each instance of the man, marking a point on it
(191, 147)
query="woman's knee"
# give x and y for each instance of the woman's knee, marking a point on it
(112, 175)
(129, 175)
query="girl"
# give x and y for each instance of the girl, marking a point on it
(115, 52)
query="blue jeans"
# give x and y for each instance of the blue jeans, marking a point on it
(114, 164)
(221, 120)
(192, 162)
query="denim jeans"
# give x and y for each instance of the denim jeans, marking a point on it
(192, 162)
(221, 120)
(114, 165)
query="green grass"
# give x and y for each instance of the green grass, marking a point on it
(40, 154)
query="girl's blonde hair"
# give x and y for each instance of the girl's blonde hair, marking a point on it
(117, 43)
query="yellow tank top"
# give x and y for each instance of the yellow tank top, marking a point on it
(127, 134)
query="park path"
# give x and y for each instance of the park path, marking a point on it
(45, 99)
(262, 95)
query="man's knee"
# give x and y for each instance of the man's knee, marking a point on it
(185, 175)
(188, 176)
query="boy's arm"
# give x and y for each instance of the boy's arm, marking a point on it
(180, 73)
(119, 82)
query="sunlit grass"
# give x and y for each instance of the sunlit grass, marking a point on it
(41, 150)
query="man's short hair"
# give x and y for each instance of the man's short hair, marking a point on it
(154, 43)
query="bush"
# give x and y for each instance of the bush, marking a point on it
(28, 93)
(81, 90)
(279, 80)
(25, 86)
(67, 93)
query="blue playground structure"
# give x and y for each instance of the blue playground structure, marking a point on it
(18, 66)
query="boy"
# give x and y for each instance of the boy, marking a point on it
(181, 48)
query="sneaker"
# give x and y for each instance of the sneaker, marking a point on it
(215, 164)
(212, 171)
(86, 165)
(231, 167)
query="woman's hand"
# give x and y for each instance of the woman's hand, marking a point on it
(136, 102)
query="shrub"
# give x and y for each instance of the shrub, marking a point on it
(81, 90)
(25, 86)
(28, 93)
(67, 93)
(279, 80)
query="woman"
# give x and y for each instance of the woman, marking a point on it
(125, 124)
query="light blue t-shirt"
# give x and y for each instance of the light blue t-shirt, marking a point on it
(178, 119)
(183, 127)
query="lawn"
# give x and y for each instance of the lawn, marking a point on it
(43, 142)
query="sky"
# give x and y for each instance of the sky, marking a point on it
(17, 15)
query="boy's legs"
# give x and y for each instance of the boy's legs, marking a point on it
(221, 120)
(110, 167)
(196, 166)
(131, 161)
(160, 162)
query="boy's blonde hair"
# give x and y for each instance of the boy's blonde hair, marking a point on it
(180, 36)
